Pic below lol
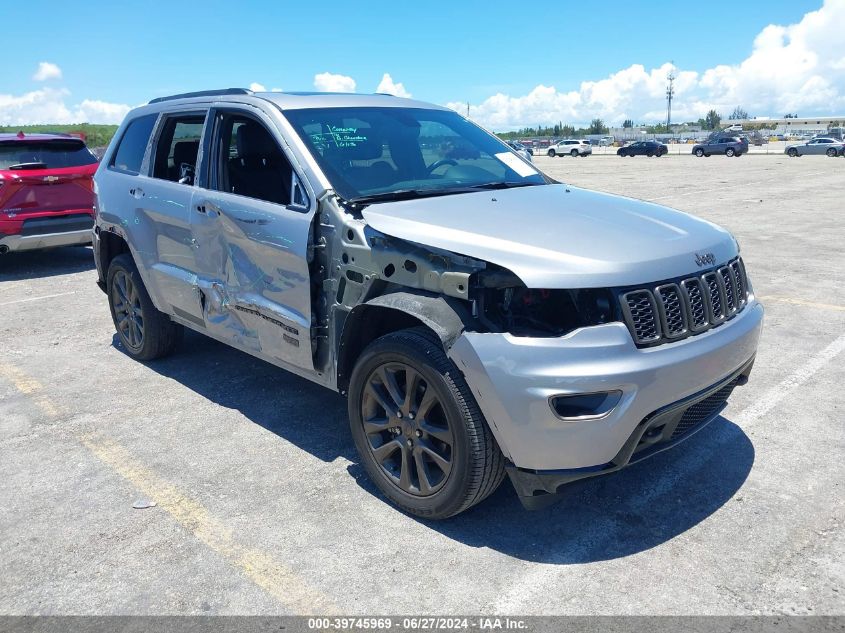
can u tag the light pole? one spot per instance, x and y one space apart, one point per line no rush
670 92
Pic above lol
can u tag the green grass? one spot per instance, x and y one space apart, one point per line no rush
96 135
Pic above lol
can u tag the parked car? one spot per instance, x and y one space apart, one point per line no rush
435 293
606 141
46 191
830 146
643 148
727 145
570 147
520 149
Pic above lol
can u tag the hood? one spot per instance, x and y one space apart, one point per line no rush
556 236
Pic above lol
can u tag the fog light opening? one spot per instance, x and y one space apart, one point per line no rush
585 406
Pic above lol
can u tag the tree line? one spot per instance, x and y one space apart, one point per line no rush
96 135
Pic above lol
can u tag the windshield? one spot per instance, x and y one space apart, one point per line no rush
45 154
381 152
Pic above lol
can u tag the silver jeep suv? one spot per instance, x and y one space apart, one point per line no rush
481 318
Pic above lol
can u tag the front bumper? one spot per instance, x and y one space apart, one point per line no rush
13 243
512 379
661 430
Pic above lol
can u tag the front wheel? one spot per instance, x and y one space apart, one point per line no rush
792 152
699 152
417 427
144 332
551 153
573 153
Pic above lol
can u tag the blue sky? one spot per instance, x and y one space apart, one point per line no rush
122 54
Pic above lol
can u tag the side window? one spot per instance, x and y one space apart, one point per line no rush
133 145
249 162
177 148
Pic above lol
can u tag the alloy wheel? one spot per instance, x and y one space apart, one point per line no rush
127 310
407 430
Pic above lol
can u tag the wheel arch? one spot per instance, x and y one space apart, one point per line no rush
390 313
108 246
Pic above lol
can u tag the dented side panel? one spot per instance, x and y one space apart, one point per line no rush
252 274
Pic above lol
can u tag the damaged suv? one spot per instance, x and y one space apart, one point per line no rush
481 318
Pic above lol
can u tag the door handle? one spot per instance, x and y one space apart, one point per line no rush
207 208
137 192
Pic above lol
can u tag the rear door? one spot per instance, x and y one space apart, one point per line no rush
251 220
163 211
820 145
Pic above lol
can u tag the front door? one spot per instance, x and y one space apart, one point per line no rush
251 220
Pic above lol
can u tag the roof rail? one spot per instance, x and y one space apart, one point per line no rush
204 93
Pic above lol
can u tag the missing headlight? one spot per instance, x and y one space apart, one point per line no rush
504 306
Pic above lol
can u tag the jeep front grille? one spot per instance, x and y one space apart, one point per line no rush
679 308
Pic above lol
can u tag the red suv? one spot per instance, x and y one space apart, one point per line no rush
46 191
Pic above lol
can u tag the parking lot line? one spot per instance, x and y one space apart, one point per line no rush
801 302
773 396
29 387
277 579
61 294
539 576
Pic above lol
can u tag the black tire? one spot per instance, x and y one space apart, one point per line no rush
699 152
574 153
730 152
792 152
132 311
476 464
649 153
831 152
551 153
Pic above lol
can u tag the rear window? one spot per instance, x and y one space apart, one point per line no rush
52 154
133 144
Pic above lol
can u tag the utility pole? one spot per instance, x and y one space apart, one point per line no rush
670 92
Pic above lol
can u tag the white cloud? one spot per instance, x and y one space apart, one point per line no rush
388 86
49 105
327 82
796 68
257 87
47 70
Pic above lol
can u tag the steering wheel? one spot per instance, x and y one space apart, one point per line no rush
440 163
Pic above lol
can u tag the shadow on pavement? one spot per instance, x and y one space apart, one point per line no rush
305 414
45 263
609 517
628 512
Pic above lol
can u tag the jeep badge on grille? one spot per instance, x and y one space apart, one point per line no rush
705 259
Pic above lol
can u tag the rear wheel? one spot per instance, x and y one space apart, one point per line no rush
730 152
144 332
831 152
573 153
649 153
418 429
